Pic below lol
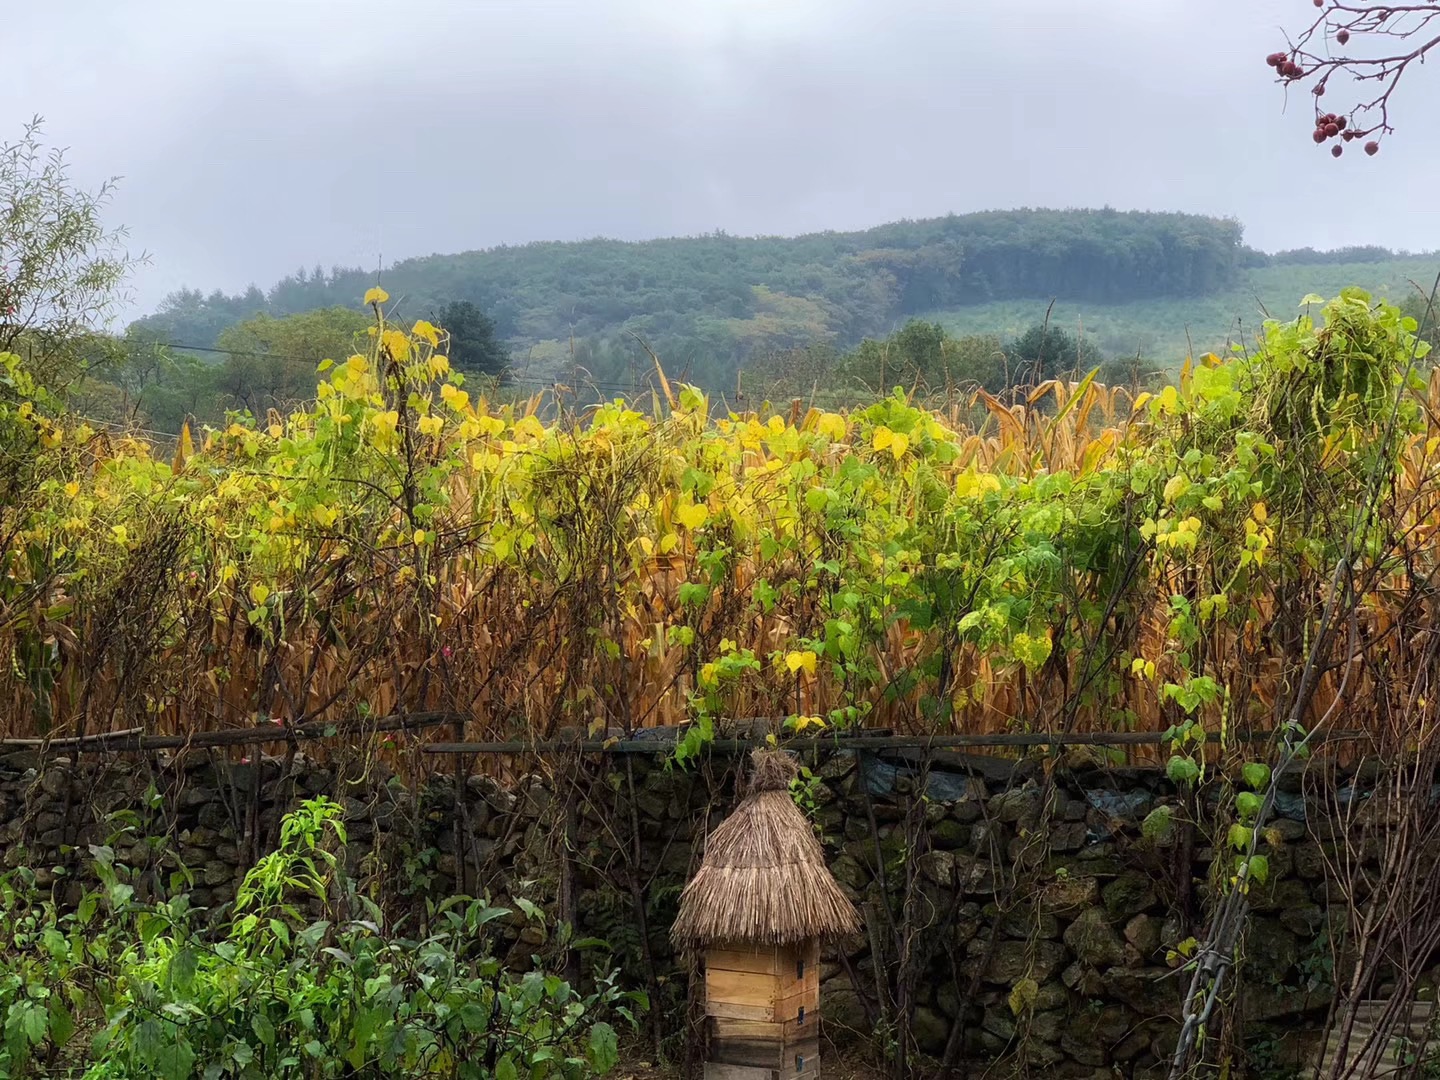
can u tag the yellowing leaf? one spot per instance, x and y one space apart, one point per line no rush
396 344
529 427
431 425
259 593
385 425
881 438
971 485
898 445
831 425
426 330
1176 486
376 295
801 661
1024 995
692 515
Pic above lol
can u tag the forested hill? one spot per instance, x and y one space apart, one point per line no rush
712 301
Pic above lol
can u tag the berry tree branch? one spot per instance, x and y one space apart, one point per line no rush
1389 38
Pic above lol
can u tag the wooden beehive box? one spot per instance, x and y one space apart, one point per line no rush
762 1005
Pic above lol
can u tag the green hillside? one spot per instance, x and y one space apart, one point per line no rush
1164 329
712 306
711 303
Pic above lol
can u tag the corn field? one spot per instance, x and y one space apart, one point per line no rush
1072 559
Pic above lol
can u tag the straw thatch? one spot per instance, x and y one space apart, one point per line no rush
764 878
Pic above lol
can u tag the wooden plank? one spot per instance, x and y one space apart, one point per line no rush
715 1070
741 987
762 1052
771 961
784 1009
754 988
794 968
808 999
782 1031
730 1010
765 1053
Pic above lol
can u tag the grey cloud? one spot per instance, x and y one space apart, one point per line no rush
257 137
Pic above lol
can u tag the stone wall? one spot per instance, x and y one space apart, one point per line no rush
1046 923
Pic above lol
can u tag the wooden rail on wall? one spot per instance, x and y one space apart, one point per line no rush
856 741
133 740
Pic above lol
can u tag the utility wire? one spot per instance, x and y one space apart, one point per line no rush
598 384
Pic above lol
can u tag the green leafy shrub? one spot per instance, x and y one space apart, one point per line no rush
303 980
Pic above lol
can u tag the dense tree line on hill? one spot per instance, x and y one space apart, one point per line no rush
712 302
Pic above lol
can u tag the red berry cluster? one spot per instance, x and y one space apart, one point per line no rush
1284 66
1332 125
1329 126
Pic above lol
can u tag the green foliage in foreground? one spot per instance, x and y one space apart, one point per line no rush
303 979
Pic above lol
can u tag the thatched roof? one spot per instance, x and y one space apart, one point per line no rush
764 878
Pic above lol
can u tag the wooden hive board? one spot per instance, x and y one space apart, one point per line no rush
719 1071
765 984
764 1044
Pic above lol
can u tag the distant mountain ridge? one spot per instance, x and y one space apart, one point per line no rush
712 302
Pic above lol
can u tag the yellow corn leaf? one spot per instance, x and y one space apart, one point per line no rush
185 449
1011 427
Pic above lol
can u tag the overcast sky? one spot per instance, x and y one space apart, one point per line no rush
254 136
